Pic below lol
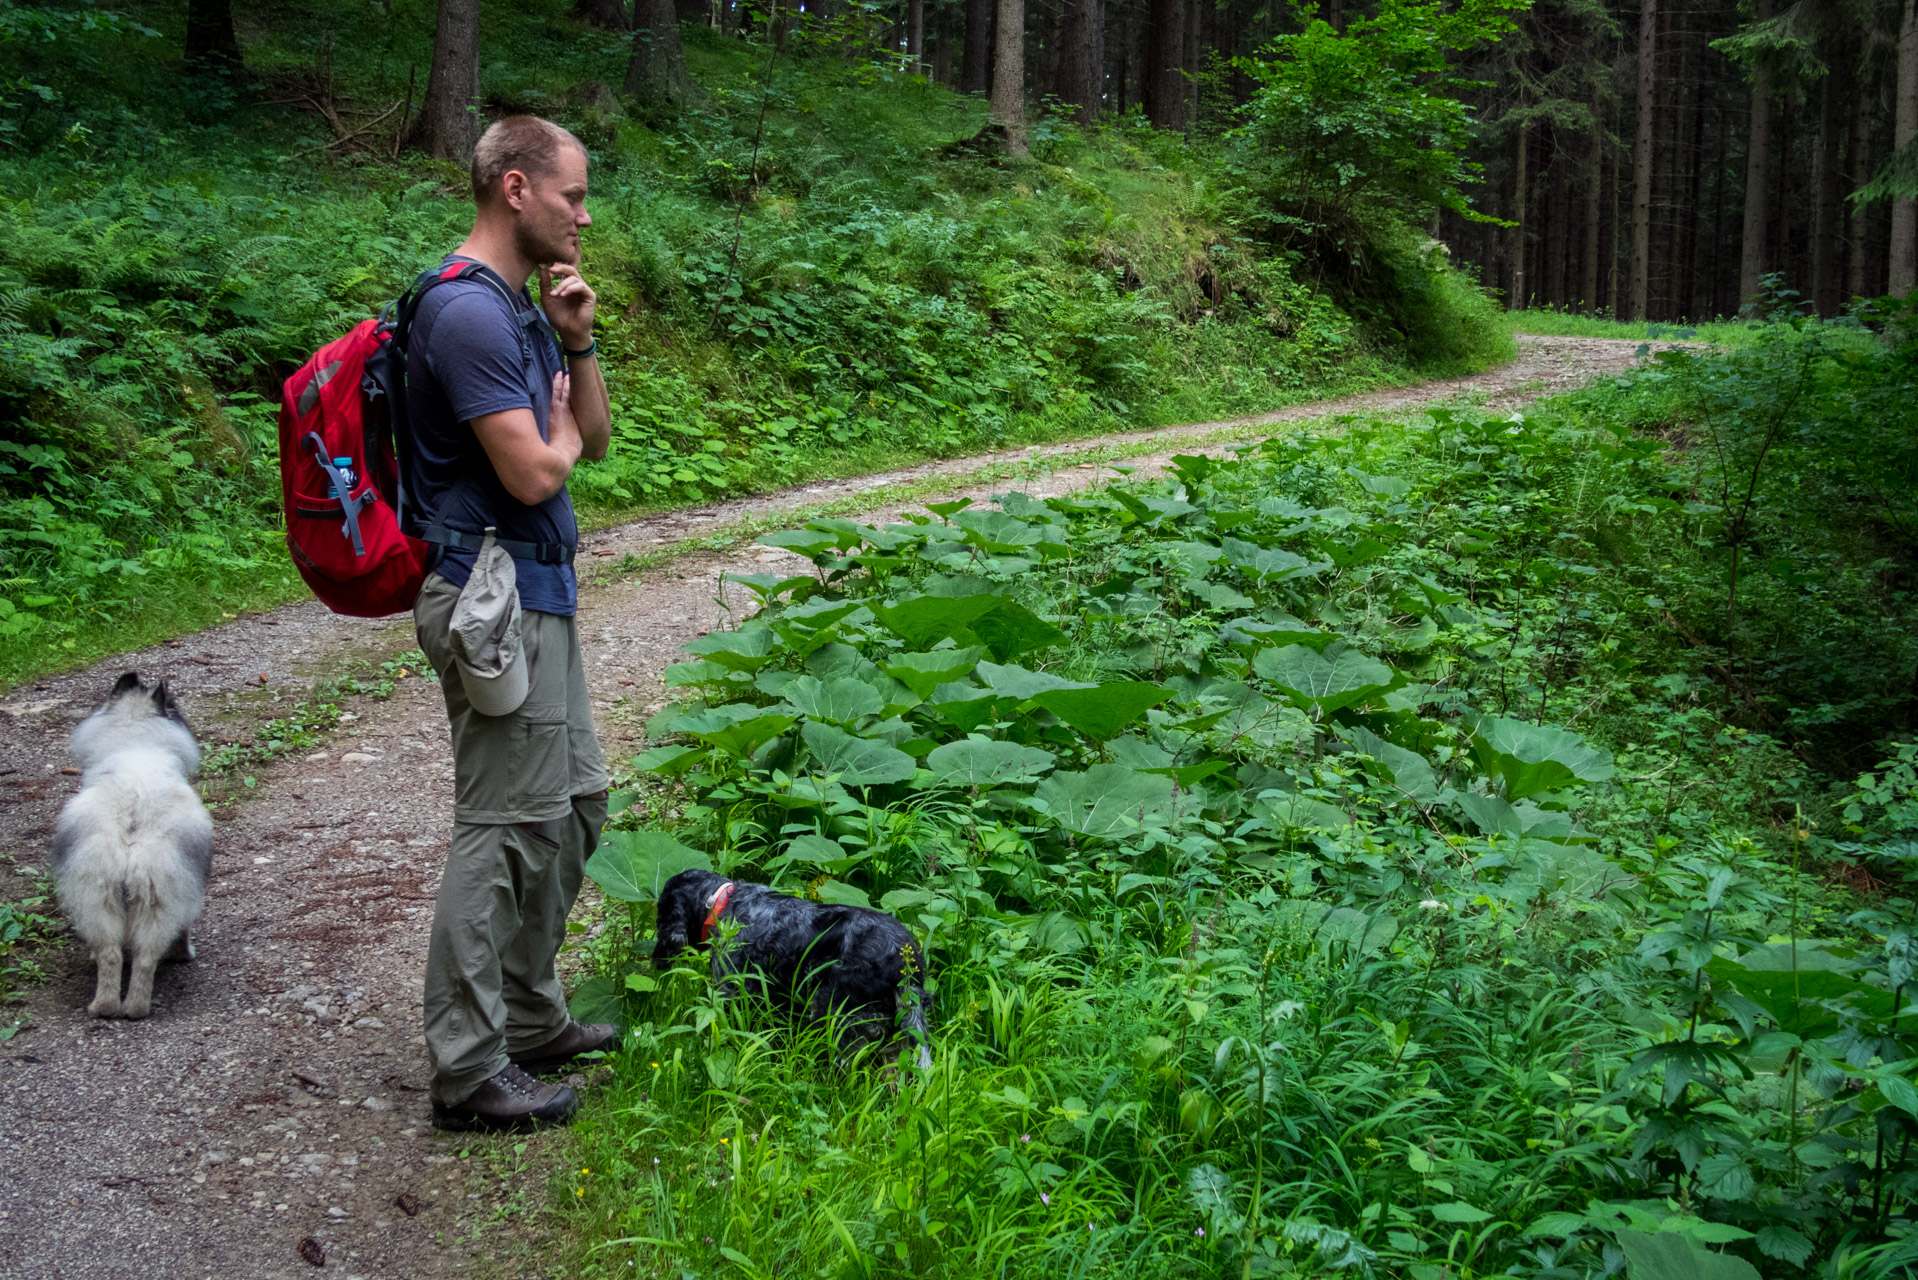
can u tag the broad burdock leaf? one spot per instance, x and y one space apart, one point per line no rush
600 999
632 866
925 620
1318 680
668 761
1102 712
978 762
747 649
841 894
736 728
841 701
1106 800
1275 633
1532 758
1008 680
806 542
858 762
1012 630
1409 771
1381 486
924 672
818 851
770 586
1265 564
996 531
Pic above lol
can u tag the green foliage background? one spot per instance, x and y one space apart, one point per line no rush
173 244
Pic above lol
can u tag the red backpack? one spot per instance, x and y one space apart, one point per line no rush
343 439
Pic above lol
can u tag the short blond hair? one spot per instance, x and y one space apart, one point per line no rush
526 143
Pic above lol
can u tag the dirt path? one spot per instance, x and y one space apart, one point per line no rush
277 1093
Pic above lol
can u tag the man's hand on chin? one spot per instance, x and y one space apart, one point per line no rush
568 302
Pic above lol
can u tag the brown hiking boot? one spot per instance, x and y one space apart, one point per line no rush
577 1038
510 1100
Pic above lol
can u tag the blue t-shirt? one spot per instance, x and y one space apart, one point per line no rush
465 359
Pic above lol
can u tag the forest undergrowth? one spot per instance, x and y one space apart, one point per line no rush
806 275
1470 846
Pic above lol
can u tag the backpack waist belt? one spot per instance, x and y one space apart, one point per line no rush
537 552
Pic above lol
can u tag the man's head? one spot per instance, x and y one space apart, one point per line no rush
533 173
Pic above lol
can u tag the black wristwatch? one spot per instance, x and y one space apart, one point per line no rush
587 354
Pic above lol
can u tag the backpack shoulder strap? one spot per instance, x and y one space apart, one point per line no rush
449 539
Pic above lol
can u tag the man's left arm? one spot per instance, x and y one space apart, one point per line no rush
568 302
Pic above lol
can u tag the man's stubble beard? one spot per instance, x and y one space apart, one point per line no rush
543 247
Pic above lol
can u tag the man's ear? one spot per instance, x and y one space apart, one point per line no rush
513 186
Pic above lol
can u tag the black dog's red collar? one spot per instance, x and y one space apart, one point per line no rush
720 900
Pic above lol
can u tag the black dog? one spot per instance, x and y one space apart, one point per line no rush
823 959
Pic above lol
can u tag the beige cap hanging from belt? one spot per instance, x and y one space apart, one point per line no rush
485 634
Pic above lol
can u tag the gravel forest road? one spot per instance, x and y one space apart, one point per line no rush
271 1116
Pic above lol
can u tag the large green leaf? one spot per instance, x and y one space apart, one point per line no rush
1409 771
977 762
1264 564
1669 1255
806 542
736 728
600 999
838 701
924 672
858 762
1318 680
996 531
747 649
818 851
1532 758
1102 712
1012 630
925 620
632 866
1105 800
1008 680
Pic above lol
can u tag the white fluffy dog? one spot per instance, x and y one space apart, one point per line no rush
133 849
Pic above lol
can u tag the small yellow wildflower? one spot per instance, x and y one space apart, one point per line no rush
579 1191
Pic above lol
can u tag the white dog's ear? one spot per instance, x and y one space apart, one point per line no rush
161 697
125 684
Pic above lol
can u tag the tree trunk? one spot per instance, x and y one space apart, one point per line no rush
1643 157
209 32
1515 296
656 74
1863 101
449 124
1753 255
1687 295
1824 188
916 35
1194 59
1080 37
975 71
1594 189
1163 75
610 14
1009 77
1904 213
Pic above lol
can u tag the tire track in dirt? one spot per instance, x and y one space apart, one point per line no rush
277 1093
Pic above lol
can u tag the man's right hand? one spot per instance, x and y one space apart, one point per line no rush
532 469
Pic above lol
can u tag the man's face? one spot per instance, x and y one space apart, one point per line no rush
552 210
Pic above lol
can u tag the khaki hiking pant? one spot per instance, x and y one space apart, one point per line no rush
529 802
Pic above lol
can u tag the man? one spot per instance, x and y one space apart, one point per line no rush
503 398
